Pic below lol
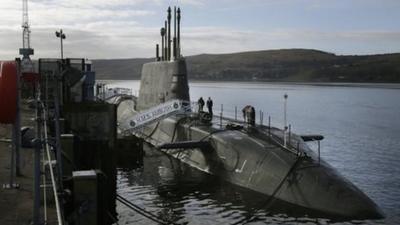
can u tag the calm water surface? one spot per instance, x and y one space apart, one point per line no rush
361 126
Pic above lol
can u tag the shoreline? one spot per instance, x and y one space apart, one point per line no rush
320 84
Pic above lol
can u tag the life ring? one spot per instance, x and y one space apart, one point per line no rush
8 92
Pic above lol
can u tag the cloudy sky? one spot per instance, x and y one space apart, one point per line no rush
130 28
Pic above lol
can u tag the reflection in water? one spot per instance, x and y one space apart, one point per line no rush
183 195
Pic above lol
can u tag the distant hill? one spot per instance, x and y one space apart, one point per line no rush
301 65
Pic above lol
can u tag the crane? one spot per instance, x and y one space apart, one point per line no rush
26 50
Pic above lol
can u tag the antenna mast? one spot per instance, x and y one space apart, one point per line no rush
26 49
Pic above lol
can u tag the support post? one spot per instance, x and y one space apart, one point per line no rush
235 113
319 152
166 42
103 91
175 43
162 32
12 166
174 50
169 33
36 175
157 53
269 125
12 184
175 21
67 143
220 116
57 132
17 124
179 32
60 34
284 119
62 49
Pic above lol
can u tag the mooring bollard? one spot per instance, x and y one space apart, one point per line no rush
67 144
86 193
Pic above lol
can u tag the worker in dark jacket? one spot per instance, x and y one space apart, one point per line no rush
210 105
200 103
249 115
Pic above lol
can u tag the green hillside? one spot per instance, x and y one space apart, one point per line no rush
299 65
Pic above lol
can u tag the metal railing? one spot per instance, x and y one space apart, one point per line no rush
49 162
42 147
230 114
104 92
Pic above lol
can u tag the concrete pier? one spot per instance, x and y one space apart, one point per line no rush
86 149
16 204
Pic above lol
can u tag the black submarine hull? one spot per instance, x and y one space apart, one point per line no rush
250 159
254 158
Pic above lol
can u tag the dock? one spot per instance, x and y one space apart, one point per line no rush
59 147
16 204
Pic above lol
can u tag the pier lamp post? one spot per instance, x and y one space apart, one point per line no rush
61 35
284 119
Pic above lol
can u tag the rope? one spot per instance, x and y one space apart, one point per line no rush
115 220
142 211
44 188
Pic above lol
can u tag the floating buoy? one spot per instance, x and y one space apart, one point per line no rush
8 92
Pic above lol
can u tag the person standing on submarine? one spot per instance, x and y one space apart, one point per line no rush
200 103
210 105
249 115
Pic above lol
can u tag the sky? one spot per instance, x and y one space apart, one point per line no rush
105 29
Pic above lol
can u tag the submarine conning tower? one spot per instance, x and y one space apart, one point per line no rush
162 81
165 79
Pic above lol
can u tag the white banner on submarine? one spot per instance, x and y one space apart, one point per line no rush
156 114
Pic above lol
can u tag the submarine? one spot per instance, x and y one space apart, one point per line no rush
262 158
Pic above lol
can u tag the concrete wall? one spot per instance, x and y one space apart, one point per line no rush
163 81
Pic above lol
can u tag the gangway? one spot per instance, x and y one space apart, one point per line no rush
153 115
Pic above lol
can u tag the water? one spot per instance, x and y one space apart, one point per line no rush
361 126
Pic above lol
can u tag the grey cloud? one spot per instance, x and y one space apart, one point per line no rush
137 41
